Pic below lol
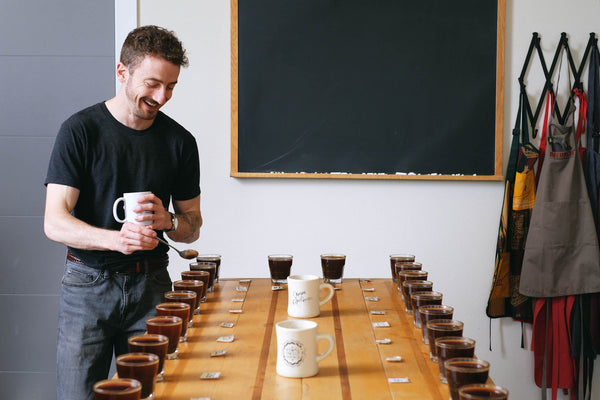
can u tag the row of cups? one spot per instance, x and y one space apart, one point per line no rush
332 265
465 374
139 369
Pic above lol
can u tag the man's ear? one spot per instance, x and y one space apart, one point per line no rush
122 72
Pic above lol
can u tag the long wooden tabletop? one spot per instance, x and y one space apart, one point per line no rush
357 368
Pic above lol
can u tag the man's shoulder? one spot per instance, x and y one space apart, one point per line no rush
168 124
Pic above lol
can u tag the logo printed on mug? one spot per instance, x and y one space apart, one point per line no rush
293 353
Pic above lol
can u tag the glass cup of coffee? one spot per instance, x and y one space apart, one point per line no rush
448 347
209 267
440 328
399 258
151 343
195 286
212 258
140 366
409 275
181 310
411 287
280 266
168 326
183 296
118 389
333 267
426 298
203 276
465 371
431 312
481 391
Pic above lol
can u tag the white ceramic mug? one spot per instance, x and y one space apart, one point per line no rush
297 355
130 200
304 295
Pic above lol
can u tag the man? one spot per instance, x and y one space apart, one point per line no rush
115 274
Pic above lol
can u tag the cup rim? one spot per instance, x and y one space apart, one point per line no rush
305 277
208 255
196 272
173 319
442 343
193 282
157 336
435 307
151 358
180 304
278 256
448 364
208 264
134 386
502 389
301 324
454 323
190 292
406 256
333 255
412 271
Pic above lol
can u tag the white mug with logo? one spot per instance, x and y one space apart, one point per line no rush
304 295
130 200
297 355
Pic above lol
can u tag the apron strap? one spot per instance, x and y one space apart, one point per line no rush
543 139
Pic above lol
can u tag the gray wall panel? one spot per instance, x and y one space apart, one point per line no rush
23 165
31 334
27 385
32 263
57 57
46 90
64 27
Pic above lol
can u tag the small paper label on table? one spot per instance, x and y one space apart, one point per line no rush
383 341
383 324
238 300
372 298
378 312
235 311
398 380
368 289
219 353
242 288
245 280
226 339
227 324
210 375
394 359
276 288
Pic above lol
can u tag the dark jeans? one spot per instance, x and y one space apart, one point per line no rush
99 310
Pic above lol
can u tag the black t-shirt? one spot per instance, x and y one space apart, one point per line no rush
103 158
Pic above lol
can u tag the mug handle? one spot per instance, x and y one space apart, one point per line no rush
329 296
115 204
328 337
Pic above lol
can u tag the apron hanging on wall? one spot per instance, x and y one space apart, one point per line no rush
561 257
519 196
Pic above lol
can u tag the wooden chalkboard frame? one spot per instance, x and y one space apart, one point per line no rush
498 139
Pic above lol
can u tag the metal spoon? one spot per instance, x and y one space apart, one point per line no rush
187 254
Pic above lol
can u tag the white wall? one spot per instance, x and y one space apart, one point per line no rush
450 226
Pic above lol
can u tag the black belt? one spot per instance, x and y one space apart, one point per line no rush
142 266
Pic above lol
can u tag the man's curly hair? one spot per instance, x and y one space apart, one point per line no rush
155 41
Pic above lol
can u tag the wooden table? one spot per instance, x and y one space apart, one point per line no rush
356 369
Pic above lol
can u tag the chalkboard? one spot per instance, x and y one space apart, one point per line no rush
390 89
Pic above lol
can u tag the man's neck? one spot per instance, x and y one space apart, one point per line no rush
120 111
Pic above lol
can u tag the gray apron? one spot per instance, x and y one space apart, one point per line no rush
562 256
